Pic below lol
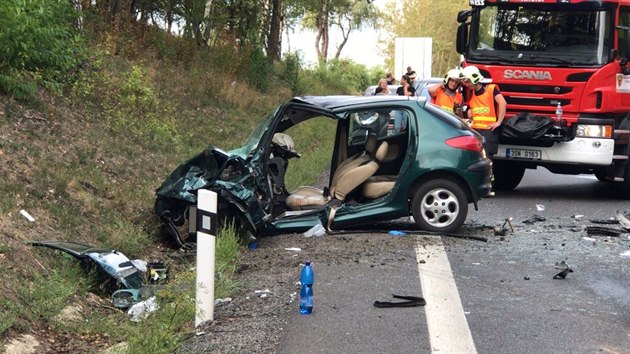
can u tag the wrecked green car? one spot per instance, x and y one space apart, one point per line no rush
391 157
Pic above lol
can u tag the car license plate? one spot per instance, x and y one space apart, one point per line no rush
523 154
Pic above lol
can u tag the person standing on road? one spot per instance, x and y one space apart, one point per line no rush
486 109
447 94
405 89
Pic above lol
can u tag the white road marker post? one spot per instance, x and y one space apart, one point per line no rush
206 221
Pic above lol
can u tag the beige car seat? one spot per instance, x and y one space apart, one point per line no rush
378 186
351 173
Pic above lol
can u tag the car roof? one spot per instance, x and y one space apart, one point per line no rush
334 102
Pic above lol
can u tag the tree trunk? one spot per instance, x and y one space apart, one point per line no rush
78 6
273 41
321 23
208 25
169 16
346 35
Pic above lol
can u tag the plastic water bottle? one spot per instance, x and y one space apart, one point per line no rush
559 114
307 279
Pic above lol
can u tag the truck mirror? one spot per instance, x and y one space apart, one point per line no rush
462 38
463 15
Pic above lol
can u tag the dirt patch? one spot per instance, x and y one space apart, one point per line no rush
23 345
254 324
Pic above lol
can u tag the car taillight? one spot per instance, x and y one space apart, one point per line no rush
465 142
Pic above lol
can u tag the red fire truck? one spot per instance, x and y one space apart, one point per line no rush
545 54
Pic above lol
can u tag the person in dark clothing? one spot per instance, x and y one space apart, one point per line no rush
390 79
486 109
406 89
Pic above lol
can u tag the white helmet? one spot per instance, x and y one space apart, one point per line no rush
471 73
451 74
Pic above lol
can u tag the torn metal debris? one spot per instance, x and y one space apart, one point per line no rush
534 218
565 270
411 301
134 279
503 230
623 220
603 231
563 274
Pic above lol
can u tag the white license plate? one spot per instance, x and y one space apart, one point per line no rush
523 154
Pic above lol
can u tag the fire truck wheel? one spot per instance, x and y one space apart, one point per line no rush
601 174
625 185
506 176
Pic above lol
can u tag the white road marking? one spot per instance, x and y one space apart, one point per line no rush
448 327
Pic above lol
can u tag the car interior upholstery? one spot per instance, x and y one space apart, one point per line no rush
349 175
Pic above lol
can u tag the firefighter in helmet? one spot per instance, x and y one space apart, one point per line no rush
447 94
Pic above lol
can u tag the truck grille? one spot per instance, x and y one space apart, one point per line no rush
540 102
539 89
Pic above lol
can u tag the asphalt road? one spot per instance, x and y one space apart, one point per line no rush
494 297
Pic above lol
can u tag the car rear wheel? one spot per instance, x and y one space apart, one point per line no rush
506 176
439 205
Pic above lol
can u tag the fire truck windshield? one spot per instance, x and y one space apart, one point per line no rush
540 36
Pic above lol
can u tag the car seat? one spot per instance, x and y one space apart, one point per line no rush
350 174
377 186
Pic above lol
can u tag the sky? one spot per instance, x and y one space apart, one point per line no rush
362 46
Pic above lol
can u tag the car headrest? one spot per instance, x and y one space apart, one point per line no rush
381 152
370 144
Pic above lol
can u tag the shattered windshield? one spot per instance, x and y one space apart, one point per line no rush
540 36
254 137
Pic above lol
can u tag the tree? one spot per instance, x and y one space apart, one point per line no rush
347 15
354 16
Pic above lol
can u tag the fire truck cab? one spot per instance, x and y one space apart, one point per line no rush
549 53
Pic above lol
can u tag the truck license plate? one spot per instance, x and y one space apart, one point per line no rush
523 154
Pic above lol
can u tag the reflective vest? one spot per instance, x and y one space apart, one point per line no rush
482 108
445 101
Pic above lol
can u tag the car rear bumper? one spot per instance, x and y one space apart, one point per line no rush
481 173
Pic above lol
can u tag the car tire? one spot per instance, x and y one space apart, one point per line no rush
439 205
506 176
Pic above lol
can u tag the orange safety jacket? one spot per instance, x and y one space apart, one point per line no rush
445 101
482 108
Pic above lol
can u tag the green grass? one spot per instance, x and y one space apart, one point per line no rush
314 140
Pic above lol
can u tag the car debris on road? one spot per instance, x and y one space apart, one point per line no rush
565 270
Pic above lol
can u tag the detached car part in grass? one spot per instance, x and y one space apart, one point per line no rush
392 157
129 275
